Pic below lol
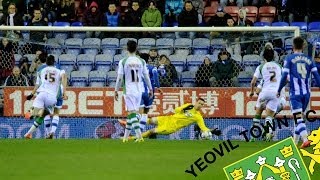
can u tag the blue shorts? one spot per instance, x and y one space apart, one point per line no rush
299 103
146 102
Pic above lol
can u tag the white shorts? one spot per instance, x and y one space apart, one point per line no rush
132 101
45 100
268 99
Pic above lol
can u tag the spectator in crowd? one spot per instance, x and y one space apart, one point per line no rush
92 17
6 59
198 5
204 73
167 79
242 18
225 71
172 10
77 11
50 9
220 19
12 18
187 18
37 36
111 19
238 3
153 57
269 45
269 3
65 10
151 17
36 62
252 2
24 69
16 78
297 10
133 15
232 39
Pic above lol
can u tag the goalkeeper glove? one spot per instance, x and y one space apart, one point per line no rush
216 132
29 97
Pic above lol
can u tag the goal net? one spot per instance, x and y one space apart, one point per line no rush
215 64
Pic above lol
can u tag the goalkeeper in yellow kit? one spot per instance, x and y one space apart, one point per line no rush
183 116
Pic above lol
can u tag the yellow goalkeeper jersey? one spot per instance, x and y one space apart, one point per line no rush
186 115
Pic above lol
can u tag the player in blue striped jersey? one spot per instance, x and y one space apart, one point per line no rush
146 101
299 67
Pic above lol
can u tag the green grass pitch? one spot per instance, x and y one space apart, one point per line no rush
113 160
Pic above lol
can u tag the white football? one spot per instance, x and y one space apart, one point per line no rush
206 135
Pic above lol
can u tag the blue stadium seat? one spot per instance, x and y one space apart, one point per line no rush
73 45
217 44
165 46
67 62
314 27
178 61
97 78
85 62
182 46
104 62
288 45
17 58
79 78
31 57
116 60
110 46
194 61
250 62
302 25
201 46
61 34
144 44
280 24
91 46
55 46
79 34
112 78
244 78
262 24
188 78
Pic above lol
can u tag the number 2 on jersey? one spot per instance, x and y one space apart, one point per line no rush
301 68
134 75
273 76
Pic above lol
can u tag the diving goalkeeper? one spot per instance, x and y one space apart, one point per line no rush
183 116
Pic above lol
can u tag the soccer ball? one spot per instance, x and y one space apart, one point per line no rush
206 135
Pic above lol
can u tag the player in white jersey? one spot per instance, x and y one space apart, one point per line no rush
132 70
269 72
48 87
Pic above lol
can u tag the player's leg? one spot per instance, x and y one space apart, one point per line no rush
47 124
257 117
55 118
300 130
304 134
271 108
144 109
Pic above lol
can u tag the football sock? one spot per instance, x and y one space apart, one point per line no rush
55 122
301 129
135 124
269 123
35 125
143 121
47 123
256 121
127 131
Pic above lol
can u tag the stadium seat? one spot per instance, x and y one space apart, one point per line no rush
79 34
123 44
209 12
217 44
17 58
244 78
182 46
251 61
144 44
267 13
61 34
252 13
110 46
260 24
165 46
104 62
97 78
178 61
112 78
116 60
188 78
91 46
31 57
73 45
314 27
233 11
79 78
201 46
194 61
280 24
55 46
67 62
302 25
85 62
288 44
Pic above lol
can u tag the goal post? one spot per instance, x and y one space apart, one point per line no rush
91 111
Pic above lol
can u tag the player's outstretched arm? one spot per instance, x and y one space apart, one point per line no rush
116 89
253 84
64 80
202 125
